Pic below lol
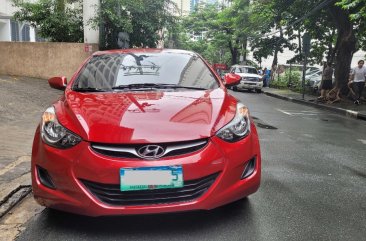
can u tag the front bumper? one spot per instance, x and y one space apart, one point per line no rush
250 85
67 168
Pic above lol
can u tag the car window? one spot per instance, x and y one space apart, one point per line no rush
111 70
248 70
252 71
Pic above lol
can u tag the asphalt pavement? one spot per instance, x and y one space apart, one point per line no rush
313 176
22 101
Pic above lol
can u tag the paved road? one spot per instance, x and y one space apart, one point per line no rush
313 188
22 100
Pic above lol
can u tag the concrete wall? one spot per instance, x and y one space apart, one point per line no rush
42 60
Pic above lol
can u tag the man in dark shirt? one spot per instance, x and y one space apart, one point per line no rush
326 84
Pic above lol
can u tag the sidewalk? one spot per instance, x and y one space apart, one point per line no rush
345 107
22 102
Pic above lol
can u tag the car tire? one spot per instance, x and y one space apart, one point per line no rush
258 91
235 88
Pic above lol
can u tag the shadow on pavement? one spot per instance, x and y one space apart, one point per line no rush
197 225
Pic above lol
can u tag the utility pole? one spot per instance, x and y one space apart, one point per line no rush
306 49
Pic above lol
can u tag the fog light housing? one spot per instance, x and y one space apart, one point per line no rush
249 168
45 178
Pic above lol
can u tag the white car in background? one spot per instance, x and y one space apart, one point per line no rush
250 79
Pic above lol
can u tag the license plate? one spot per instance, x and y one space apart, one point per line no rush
145 178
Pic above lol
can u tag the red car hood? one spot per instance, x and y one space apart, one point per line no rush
145 117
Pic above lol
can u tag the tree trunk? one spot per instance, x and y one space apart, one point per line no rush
234 53
346 46
244 48
331 50
300 43
275 57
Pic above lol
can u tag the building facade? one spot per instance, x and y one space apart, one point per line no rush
11 30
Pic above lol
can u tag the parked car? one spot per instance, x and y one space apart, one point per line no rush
141 131
250 79
314 80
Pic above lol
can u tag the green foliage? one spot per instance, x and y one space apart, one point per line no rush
358 8
270 19
286 80
333 35
142 19
357 13
226 30
53 20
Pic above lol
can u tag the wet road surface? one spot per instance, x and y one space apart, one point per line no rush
313 188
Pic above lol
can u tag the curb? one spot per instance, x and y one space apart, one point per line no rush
348 113
13 198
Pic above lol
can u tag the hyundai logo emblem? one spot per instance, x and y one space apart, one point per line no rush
151 151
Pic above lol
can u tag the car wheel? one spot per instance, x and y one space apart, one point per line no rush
258 91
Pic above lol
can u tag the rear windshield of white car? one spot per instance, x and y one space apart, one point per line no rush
245 70
111 70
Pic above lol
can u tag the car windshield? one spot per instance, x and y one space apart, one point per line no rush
145 70
246 70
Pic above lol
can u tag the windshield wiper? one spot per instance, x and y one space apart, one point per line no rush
156 86
136 86
88 89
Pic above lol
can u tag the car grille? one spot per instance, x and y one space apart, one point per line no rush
112 195
253 79
132 151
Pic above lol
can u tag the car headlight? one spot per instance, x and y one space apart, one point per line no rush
54 134
237 128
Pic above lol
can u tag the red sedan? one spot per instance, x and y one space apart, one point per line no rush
144 131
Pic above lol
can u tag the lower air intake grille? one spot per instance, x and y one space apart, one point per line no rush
112 195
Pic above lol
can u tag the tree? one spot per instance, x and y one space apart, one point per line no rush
331 30
225 28
142 19
54 20
346 45
357 10
350 18
337 30
270 19
200 33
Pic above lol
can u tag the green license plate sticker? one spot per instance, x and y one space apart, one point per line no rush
146 178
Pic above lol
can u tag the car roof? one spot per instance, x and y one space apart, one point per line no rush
246 66
144 50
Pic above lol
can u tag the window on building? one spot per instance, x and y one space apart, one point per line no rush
26 33
14 31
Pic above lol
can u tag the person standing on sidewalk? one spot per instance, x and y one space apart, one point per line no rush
326 84
358 76
264 77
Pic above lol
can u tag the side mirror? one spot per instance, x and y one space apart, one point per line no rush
231 79
58 82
